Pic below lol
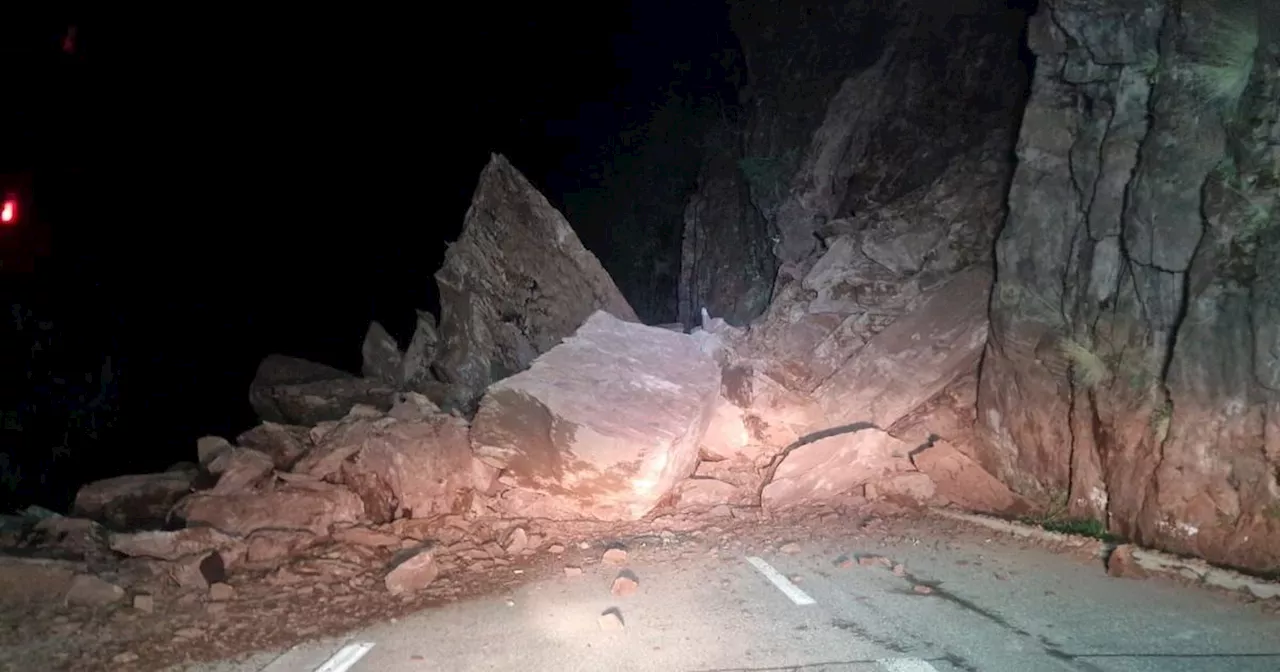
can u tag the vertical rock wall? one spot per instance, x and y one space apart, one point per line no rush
1133 368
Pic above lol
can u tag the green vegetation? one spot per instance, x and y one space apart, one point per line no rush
1084 527
1055 519
1088 368
1224 39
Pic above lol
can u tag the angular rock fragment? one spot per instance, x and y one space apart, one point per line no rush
514 284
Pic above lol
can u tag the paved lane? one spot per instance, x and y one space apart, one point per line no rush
992 607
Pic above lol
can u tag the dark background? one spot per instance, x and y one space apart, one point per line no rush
223 185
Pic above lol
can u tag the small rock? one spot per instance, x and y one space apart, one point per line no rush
221 592
188 633
144 603
921 589
90 591
899 570
413 574
790 548
843 562
573 571
518 541
126 657
1121 564
611 619
625 585
584 545
556 549
873 560
615 556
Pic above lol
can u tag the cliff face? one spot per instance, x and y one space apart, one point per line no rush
847 107
1132 372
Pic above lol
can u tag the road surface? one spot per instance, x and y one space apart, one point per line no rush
730 605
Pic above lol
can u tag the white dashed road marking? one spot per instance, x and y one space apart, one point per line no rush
906 665
784 584
346 657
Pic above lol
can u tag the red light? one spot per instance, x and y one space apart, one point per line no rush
9 212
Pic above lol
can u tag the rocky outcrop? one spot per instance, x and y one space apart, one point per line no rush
602 426
850 106
733 282
1131 369
514 284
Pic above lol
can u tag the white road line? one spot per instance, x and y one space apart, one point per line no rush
906 665
346 657
784 584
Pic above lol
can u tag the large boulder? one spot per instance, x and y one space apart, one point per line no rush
315 509
602 426
294 391
912 360
514 284
133 501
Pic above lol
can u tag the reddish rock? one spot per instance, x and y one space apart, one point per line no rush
773 416
134 501
705 493
603 425
833 466
625 584
221 592
910 488
171 544
412 574
363 536
284 443
962 481
268 548
614 556
1121 563
311 510
416 467
913 359
239 469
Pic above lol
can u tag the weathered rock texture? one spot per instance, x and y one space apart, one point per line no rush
850 106
514 284
1134 361
602 426
295 391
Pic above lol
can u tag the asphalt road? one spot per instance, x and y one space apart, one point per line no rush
994 606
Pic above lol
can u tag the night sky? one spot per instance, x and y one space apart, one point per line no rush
223 186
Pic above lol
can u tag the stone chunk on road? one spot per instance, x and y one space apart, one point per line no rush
625 584
611 619
603 425
413 574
